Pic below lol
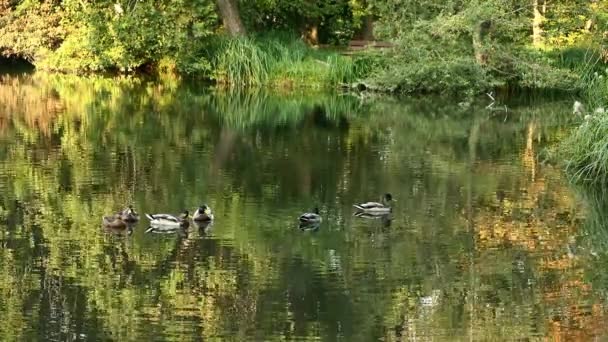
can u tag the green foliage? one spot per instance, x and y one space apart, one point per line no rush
451 76
31 30
112 36
336 21
534 69
470 45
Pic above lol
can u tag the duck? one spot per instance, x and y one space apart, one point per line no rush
114 222
376 207
310 218
128 215
202 214
169 221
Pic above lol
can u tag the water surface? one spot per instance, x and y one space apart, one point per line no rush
484 242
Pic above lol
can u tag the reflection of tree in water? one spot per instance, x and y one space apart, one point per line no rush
472 229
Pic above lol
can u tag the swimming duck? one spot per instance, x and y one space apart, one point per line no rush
167 220
203 213
128 215
114 222
309 218
375 207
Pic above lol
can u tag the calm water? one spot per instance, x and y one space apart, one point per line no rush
487 241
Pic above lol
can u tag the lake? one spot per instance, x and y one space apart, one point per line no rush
486 241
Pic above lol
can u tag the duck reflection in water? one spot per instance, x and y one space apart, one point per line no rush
127 231
182 232
311 227
204 227
386 219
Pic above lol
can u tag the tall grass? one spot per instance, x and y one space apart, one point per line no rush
280 60
585 152
241 61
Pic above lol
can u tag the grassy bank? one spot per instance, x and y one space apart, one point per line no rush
281 61
585 151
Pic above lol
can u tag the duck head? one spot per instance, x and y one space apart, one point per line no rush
387 198
184 215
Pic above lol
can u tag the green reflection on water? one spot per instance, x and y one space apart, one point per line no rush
475 249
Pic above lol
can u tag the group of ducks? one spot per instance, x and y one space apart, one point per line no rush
203 215
128 216
380 209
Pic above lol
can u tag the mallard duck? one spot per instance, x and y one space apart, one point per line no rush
203 213
375 207
167 220
310 218
128 215
114 222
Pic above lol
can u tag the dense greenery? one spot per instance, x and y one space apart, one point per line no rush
467 45
476 45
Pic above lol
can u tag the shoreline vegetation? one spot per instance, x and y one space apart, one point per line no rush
466 47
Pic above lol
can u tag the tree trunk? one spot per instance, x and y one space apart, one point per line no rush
368 27
231 18
479 35
537 22
310 34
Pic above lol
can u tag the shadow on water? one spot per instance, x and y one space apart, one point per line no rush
473 250
15 66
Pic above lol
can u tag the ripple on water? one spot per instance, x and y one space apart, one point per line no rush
475 249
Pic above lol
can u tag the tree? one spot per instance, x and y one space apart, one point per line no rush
539 16
231 18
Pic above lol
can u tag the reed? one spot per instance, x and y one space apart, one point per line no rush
280 60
